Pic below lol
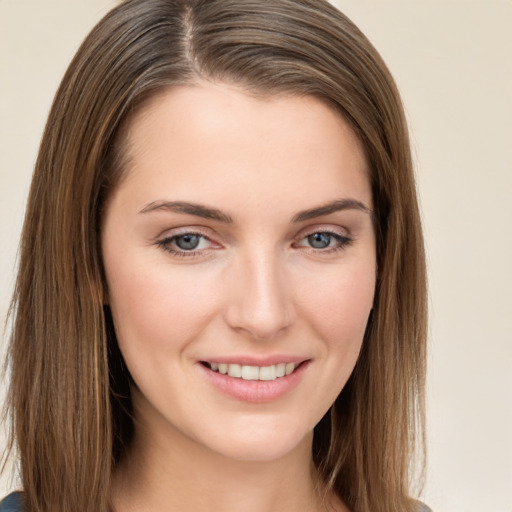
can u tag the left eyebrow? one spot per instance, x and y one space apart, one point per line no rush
332 207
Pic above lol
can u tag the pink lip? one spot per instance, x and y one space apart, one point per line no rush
255 391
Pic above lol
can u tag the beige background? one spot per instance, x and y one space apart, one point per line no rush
453 63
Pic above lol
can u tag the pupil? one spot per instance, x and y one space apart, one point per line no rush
187 242
319 240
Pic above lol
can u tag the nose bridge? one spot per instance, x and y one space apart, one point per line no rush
261 304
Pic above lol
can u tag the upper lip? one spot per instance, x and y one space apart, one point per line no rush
256 361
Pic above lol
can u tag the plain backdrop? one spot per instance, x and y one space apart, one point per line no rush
453 64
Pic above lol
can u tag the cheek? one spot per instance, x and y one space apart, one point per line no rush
339 316
339 305
156 305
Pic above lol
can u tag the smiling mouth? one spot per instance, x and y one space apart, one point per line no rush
247 372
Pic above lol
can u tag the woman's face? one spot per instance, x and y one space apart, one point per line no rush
240 241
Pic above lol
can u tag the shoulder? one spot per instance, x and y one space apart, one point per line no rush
422 508
12 503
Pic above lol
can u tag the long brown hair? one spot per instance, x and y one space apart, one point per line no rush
69 393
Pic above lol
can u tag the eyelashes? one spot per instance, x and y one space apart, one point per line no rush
191 244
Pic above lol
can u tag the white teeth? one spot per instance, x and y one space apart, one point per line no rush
234 370
250 372
268 373
289 368
247 372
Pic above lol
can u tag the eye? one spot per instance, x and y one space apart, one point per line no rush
325 241
185 244
319 240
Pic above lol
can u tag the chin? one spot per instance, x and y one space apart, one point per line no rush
257 442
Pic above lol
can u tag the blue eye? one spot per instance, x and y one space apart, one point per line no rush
187 242
319 240
185 245
325 242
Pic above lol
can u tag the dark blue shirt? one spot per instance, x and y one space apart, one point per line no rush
12 503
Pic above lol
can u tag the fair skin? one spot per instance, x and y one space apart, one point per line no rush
220 257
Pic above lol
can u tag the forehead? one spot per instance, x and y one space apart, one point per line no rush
216 140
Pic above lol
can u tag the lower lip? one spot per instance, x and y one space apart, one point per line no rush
255 391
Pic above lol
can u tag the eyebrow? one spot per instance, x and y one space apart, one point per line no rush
206 212
332 207
187 208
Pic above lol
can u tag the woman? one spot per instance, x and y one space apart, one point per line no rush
221 294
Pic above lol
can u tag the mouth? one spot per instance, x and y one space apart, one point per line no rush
255 383
255 373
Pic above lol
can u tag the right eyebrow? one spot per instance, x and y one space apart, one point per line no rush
188 208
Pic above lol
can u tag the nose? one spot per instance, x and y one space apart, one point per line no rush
260 300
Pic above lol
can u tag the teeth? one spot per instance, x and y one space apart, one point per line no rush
289 368
247 372
250 372
234 370
268 373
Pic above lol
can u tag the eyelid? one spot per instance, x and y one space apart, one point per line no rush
324 228
184 230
